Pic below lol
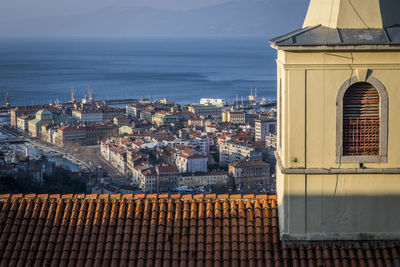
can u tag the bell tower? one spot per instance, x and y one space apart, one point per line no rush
338 153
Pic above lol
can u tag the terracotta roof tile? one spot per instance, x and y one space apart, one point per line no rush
157 230
91 196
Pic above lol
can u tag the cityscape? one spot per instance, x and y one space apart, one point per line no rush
150 146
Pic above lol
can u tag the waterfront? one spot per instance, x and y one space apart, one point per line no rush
184 70
36 152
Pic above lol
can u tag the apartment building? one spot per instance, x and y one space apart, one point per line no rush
88 115
110 113
20 111
134 110
263 128
207 110
231 151
234 117
22 122
96 132
70 135
118 158
163 118
249 174
190 160
168 176
203 179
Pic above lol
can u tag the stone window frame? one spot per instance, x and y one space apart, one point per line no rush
383 116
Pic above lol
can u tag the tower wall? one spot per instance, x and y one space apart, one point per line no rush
320 197
355 14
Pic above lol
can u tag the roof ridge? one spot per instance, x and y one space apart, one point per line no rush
139 196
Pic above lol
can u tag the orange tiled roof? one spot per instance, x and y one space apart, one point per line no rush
240 164
167 168
164 230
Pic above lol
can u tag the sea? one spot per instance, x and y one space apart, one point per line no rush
42 71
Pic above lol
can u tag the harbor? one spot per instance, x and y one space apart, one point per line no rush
31 149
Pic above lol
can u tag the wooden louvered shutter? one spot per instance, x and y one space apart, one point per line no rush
361 122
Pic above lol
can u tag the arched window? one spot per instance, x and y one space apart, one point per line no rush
361 120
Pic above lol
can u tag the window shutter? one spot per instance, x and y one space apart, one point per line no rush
361 122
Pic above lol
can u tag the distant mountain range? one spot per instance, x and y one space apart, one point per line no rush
239 18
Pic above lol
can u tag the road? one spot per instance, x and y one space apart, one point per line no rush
92 153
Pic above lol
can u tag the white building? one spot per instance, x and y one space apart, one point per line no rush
148 181
190 160
230 151
207 110
271 141
203 179
263 128
212 101
118 158
137 171
88 115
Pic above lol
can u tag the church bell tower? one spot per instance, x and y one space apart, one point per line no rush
338 94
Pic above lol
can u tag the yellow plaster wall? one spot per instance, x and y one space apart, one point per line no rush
354 14
307 78
339 206
334 206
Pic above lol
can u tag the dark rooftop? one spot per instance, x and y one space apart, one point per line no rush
324 36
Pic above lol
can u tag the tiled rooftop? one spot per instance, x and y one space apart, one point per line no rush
164 230
241 164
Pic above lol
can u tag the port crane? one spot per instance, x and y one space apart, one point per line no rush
73 98
6 99
91 94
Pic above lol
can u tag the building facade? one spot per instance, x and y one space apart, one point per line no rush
263 128
235 117
70 135
93 115
168 176
20 111
230 151
203 179
190 160
250 174
22 122
163 118
134 110
207 110
41 117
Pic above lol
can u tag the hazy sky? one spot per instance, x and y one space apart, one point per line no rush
119 18
24 9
